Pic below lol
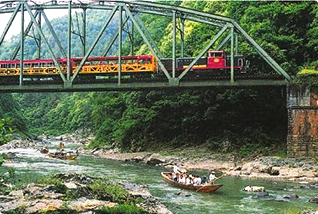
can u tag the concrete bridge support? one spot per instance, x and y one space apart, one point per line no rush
302 106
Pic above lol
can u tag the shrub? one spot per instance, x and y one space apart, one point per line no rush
122 209
108 191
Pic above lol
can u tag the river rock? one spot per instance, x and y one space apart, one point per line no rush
44 205
314 200
274 171
154 159
265 168
137 159
6 198
183 193
17 194
254 189
84 204
262 195
70 185
292 196
308 212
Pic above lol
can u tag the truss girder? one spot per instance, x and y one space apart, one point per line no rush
131 8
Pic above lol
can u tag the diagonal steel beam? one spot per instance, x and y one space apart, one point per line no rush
225 40
6 29
112 41
38 28
132 18
149 36
262 52
56 39
232 54
27 30
203 51
95 42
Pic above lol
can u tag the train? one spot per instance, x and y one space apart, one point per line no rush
141 64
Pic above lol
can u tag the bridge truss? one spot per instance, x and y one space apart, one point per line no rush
128 12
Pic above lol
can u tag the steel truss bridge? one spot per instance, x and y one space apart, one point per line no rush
128 11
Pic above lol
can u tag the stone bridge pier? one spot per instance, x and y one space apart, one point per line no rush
302 106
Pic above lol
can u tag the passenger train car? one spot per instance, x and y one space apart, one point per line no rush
97 66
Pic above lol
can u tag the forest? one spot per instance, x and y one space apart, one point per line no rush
228 120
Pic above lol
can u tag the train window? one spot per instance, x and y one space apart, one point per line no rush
215 54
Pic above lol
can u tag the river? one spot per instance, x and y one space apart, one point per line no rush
31 165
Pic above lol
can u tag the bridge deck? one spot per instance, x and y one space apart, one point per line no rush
129 86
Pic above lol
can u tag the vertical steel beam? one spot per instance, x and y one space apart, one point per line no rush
6 29
95 42
84 31
236 44
27 30
147 34
39 36
120 40
45 41
232 54
56 39
174 44
182 37
147 42
112 41
203 51
132 43
69 41
22 44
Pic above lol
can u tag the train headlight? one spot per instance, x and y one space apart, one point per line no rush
216 60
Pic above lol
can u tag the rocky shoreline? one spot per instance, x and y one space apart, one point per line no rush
302 170
272 168
266 167
78 193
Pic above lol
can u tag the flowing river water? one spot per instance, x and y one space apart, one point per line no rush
31 165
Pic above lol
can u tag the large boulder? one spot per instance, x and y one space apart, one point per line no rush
314 200
274 171
254 189
154 159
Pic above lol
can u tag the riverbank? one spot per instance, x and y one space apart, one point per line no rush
272 168
79 193
262 167
229 198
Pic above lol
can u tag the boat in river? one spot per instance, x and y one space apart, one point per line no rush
206 188
63 155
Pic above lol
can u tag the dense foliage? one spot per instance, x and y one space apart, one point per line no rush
241 119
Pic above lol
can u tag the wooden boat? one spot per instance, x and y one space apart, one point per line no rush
63 156
206 188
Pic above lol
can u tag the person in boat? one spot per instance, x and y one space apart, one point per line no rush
188 180
182 179
198 180
175 177
176 169
203 181
195 179
212 177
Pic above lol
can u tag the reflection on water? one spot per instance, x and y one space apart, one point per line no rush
228 200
